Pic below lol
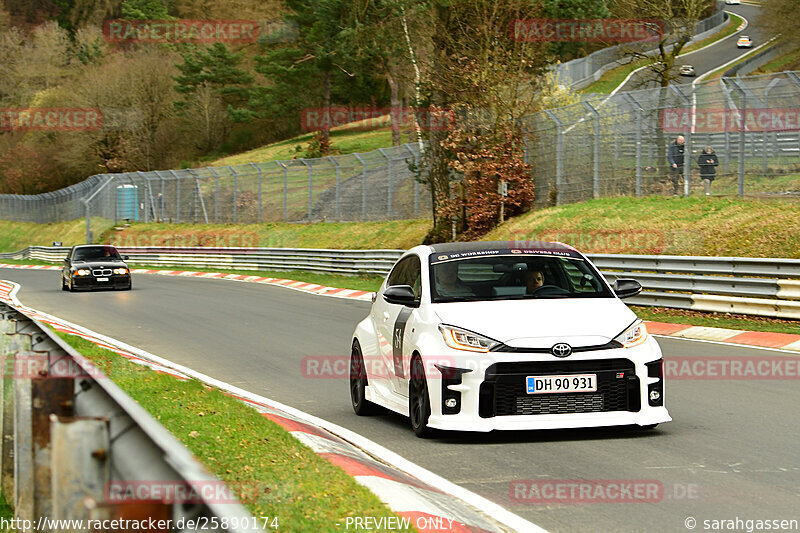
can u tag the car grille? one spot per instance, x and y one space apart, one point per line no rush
97 272
503 392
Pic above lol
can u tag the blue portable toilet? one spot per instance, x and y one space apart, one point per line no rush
127 202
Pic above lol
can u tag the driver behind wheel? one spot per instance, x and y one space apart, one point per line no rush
533 280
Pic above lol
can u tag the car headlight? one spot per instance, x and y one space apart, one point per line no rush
120 271
82 272
634 335
462 339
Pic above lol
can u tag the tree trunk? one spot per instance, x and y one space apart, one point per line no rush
397 110
326 110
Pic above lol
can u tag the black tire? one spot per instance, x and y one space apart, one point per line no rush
648 427
358 382
419 402
64 284
71 288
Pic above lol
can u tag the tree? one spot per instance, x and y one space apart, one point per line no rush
476 71
210 81
145 10
678 18
573 10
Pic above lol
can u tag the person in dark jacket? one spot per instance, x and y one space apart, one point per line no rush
675 159
707 161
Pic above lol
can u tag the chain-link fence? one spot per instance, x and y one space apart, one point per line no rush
377 185
607 146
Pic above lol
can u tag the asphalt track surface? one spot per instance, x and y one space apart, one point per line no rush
712 57
731 450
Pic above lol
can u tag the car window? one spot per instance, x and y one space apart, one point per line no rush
95 252
515 277
407 272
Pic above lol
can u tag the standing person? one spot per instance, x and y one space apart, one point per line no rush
707 161
675 159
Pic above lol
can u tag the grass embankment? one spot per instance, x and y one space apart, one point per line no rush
15 236
360 136
787 61
271 472
612 78
6 511
672 226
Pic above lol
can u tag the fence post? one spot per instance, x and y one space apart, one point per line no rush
596 151
559 157
796 80
258 170
235 192
285 190
726 99
389 182
639 113
363 187
310 186
216 193
338 177
177 196
416 183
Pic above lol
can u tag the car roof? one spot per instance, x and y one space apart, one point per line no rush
472 250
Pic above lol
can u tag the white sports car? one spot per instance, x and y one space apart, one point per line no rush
486 336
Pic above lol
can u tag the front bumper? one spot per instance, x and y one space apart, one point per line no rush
492 396
115 281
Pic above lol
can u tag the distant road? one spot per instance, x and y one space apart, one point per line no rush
716 55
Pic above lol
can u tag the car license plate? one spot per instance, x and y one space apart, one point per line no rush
559 384
102 279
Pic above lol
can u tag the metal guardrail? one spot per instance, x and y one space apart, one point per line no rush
757 286
70 435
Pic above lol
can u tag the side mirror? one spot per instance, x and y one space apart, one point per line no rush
400 295
626 287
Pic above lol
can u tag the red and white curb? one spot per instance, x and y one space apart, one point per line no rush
425 500
302 286
761 339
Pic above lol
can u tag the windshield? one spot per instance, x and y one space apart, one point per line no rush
93 253
507 277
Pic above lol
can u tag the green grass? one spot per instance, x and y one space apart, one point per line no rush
6 511
717 320
272 472
362 136
398 234
675 226
612 78
18 235
787 61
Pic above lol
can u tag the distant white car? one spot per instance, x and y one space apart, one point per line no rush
732 2
744 42
687 70
486 336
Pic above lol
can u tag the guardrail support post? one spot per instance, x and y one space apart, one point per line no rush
50 396
80 464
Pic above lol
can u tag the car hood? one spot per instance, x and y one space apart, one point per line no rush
541 323
97 263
